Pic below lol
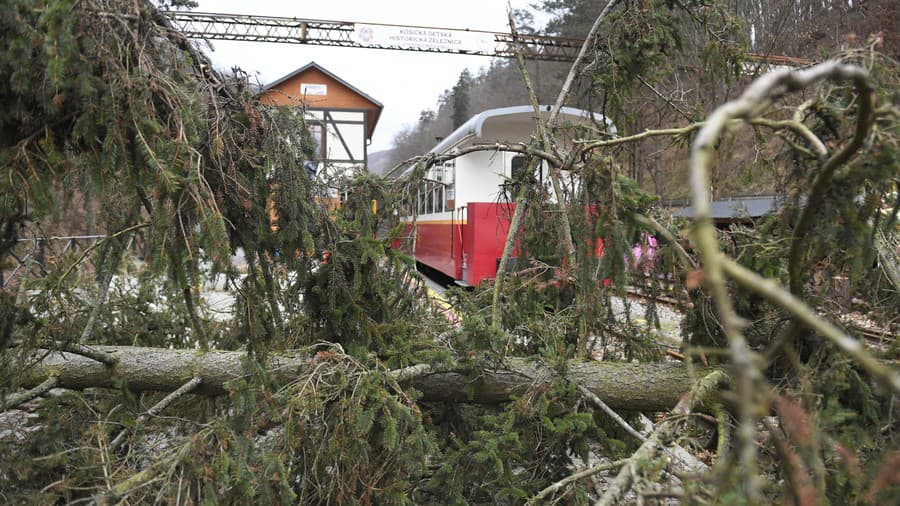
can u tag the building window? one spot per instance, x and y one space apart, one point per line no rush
312 168
317 132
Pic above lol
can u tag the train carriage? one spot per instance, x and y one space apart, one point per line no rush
462 217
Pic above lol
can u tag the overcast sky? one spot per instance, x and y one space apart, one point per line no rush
405 82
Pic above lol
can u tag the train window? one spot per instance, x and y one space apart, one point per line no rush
517 168
450 202
519 165
517 174
429 199
439 198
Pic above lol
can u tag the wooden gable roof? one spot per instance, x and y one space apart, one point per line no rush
340 94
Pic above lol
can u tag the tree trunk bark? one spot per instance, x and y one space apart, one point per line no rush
626 386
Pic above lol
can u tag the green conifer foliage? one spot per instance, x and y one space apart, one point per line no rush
106 102
105 110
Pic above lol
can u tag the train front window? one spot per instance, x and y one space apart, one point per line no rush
517 168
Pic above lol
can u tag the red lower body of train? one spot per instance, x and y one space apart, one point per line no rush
468 247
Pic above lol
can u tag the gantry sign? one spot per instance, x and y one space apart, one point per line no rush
253 28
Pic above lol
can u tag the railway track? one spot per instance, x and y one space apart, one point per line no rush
639 294
879 339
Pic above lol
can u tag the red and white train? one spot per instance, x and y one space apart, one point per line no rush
463 218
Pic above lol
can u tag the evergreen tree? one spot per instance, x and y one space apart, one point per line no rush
459 99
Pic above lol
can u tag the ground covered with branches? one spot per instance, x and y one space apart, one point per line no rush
335 381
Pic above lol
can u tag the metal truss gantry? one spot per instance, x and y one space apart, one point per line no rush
251 28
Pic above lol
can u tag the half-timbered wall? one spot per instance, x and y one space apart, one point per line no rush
341 134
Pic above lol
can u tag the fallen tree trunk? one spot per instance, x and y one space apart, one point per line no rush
647 387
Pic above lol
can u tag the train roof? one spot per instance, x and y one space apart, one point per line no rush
474 127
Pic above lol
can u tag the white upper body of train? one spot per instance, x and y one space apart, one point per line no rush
479 176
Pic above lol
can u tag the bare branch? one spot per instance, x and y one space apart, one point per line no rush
669 237
521 202
157 409
514 225
750 104
584 473
612 414
665 431
409 373
23 397
769 290
87 351
579 61
865 116
818 147
590 145
432 159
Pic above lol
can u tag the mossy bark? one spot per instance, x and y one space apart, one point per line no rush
628 386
